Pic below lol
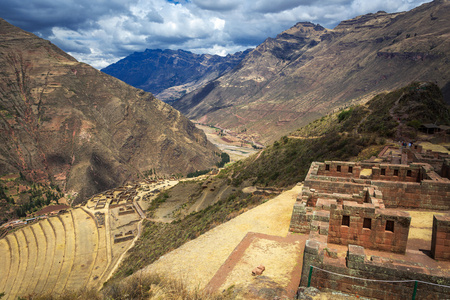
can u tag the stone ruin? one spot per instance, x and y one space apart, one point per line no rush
440 239
360 205
122 237
357 203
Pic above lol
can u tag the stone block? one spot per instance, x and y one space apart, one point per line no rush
314 226
323 228
355 257
312 247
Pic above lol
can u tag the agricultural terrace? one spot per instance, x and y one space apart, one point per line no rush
76 249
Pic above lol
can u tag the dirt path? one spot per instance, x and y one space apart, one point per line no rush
197 261
304 137
122 256
400 126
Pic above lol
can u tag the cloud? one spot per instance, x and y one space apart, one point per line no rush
101 32
270 6
217 5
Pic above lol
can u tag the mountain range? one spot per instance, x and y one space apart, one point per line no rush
308 71
64 122
170 74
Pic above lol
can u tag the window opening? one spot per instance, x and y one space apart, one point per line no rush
367 223
390 225
346 220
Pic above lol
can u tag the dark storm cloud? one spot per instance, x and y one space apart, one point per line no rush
100 32
42 15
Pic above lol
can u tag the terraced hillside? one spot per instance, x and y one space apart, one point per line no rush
77 249
61 253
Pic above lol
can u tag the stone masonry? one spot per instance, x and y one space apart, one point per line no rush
381 229
360 205
440 239
357 264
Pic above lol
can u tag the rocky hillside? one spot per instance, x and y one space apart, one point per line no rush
355 133
308 71
170 74
65 122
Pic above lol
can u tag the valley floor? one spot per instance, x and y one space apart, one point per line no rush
234 146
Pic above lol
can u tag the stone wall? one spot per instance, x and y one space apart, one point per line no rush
432 192
445 172
300 219
357 265
391 172
428 194
336 186
440 239
379 229
339 169
435 159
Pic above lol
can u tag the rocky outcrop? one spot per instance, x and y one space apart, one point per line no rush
65 122
170 74
308 71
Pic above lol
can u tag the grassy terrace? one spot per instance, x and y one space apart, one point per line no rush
54 255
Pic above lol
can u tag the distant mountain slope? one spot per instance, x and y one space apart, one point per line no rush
308 70
355 133
65 122
169 74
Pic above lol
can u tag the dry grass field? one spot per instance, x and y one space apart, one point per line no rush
196 262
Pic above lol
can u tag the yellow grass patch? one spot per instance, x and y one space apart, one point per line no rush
435 147
197 261
278 259
422 224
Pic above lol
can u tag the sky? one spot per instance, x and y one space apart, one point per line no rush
100 32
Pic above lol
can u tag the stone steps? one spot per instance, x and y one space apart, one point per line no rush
41 252
69 253
22 263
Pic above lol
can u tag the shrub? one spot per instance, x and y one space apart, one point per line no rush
345 114
198 173
225 159
414 123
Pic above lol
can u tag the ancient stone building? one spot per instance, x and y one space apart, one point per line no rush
362 206
440 241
